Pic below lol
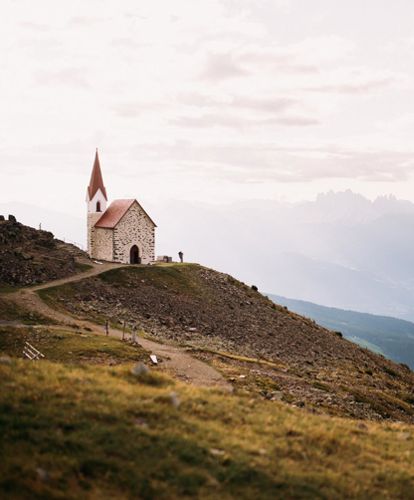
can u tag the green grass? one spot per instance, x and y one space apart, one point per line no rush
5 288
82 425
237 357
81 267
99 432
69 347
178 277
10 311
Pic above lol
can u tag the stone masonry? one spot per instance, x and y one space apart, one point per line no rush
103 243
135 228
115 233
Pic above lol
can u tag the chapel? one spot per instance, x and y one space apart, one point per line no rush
122 232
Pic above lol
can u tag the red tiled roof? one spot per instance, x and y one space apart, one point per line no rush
96 181
114 213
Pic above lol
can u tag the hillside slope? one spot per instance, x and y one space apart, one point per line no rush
212 312
392 337
78 428
29 256
88 422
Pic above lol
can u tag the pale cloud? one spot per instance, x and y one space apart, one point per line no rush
353 88
73 77
86 21
240 122
137 108
268 105
222 66
35 26
240 112
196 92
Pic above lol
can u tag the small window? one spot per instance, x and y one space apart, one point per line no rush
98 206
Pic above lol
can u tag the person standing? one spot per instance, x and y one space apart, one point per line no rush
181 255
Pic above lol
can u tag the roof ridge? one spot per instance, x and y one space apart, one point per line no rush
116 210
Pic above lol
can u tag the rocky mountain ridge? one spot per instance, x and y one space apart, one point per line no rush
29 256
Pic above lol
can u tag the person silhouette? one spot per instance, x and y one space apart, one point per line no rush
181 255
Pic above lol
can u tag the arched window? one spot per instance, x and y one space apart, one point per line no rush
98 206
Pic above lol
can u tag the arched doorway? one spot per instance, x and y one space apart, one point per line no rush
134 257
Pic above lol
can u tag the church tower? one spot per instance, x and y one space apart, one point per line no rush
123 232
96 199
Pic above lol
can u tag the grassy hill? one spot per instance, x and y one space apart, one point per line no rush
392 337
231 325
79 427
90 422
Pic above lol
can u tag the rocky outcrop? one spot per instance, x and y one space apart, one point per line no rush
29 256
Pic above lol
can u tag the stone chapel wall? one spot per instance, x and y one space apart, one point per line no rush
92 220
102 243
135 228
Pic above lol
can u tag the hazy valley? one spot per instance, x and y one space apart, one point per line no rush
392 337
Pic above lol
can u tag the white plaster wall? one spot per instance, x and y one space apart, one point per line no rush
93 217
135 228
98 196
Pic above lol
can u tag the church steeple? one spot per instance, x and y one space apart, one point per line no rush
96 199
96 182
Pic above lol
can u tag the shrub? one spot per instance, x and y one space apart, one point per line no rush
390 371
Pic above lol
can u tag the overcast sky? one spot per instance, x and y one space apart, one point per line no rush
209 100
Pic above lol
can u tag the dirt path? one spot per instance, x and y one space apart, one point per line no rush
96 269
175 360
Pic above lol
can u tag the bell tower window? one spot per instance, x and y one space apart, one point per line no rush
98 206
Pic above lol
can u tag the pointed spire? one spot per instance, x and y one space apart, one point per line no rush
96 181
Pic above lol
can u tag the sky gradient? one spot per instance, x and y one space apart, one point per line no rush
214 101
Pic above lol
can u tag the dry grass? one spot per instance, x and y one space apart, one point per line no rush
94 432
10 311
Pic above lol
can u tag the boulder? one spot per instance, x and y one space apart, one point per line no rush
139 370
174 400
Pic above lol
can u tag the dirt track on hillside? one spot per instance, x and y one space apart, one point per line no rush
175 360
